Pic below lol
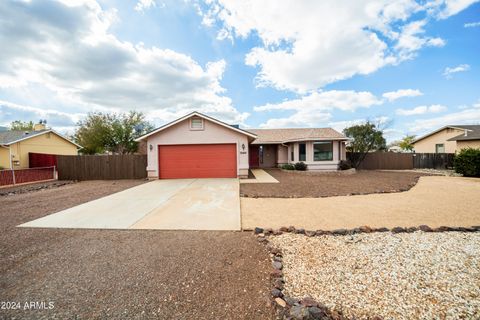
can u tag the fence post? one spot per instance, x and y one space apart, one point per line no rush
13 176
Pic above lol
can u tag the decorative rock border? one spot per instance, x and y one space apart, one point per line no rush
307 308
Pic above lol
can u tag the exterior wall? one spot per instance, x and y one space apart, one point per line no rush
5 158
427 145
282 154
48 143
468 144
212 133
338 154
269 156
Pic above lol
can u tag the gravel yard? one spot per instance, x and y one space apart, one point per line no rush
395 276
125 274
328 184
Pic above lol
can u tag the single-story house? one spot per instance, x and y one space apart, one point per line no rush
199 146
448 139
16 145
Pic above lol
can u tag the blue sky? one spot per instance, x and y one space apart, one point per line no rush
409 66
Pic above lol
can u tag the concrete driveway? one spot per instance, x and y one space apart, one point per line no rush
180 204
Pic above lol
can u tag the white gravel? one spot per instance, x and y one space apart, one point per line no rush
396 276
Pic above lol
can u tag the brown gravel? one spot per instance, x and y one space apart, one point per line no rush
315 185
125 274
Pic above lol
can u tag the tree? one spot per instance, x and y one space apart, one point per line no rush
364 139
406 143
19 125
110 132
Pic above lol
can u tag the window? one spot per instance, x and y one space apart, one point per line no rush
260 154
196 124
302 152
440 148
323 151
292 155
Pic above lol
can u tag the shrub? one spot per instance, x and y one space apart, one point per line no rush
467 162
288 166
1 168
300 166
344 165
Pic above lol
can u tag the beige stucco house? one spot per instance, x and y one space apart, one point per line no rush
199 146
16 145
449 139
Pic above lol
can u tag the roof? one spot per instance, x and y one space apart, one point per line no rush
473 133
201 115
266 136
458 127
14 136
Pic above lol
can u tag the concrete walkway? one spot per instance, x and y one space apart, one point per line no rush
435 201
181 204
261 176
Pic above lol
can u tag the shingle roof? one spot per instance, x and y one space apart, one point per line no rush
7 137
473 133
294 134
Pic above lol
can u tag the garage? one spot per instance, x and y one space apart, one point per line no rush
197 161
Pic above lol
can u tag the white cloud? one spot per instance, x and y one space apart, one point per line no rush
449 8
340 125
467 116
313 109
447 73
434 108
472 24
144 5
74 55
401 93
307 45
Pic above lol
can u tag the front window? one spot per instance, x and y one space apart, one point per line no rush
440 148
302 152
323 151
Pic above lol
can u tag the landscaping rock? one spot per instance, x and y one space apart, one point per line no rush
277 265
382 229
291 229
281 302
291 301
425 228
399 230
309 233
412 229
340 232
276 274
268 231
308 302
277 293
365 229
300 231
317 313
258 230
277 232
279 284
277 258
299 313
283 229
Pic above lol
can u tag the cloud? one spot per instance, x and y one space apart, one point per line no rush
67 48
435 108
305 46
472 24
313 109
401 93
447 73
467 116
340 125
144 5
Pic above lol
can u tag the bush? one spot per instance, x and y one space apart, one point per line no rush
1 168
288 166
467 162
344 165
300 166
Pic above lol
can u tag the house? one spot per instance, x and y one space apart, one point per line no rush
448 139
199 146
16 145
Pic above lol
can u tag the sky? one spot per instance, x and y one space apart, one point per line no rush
409 66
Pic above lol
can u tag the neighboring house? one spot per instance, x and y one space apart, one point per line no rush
396 149
15 145
198 146
448 139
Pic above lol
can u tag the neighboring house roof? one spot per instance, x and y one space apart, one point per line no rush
458 127
472 132
14 136
272 136
201 115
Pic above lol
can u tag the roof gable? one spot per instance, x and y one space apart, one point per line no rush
458 127
11 137
196 114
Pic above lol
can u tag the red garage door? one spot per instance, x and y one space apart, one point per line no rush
197 161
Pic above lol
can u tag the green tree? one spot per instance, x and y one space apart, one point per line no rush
406 143
110 132
364 139
19 125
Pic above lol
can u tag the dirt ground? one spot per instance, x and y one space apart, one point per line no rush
315 185
435 201
125 274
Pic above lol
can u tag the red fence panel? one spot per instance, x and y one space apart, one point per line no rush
36 160
12 177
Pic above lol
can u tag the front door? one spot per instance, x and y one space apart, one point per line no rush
253 156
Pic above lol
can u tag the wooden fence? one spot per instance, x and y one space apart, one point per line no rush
405 161
102 167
